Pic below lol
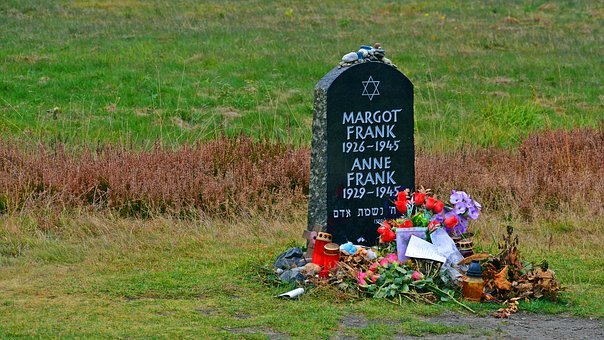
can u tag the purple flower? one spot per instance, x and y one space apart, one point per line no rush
468 200
477 205
473 212
440 218
462 226
450 213
460 208
456 196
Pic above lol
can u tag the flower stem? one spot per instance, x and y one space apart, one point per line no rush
452 298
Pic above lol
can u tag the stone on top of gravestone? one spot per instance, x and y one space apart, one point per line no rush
362 149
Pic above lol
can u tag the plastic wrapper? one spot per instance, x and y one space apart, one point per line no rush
446 247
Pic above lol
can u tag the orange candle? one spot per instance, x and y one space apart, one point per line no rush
472 286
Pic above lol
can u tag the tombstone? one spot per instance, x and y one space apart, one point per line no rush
362 149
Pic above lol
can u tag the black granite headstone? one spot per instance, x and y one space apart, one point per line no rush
362 149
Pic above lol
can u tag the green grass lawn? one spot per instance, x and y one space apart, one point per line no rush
179 71
112 277
135 72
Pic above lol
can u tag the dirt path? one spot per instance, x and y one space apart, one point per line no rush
520 326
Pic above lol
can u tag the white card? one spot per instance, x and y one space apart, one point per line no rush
423 249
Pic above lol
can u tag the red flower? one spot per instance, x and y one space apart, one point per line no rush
438 206
401 206
419 198
451 221
401 196
432 226
388 236
407 224
382 230
430 203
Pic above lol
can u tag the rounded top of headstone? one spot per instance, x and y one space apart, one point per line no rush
369 67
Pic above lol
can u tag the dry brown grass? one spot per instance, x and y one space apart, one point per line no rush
550 173
224 177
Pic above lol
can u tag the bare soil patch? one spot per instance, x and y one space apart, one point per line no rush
519 326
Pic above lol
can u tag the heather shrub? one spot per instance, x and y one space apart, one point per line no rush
224 177
548 173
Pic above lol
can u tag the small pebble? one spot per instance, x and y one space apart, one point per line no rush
350 57
379 54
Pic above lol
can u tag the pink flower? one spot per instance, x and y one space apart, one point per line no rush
373 267
416 276
361 278
374 277
392 257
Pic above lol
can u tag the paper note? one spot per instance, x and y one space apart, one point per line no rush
423 249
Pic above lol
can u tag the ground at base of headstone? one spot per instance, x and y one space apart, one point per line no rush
376 272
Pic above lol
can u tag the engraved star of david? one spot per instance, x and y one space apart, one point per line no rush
368 83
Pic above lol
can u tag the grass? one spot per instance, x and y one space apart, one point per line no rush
98 275
137 281
138 74
140 71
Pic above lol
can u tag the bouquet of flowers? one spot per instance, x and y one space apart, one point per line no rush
392 278
388 278
423 209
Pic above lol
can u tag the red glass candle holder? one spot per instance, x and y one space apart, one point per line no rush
318 255
332 255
